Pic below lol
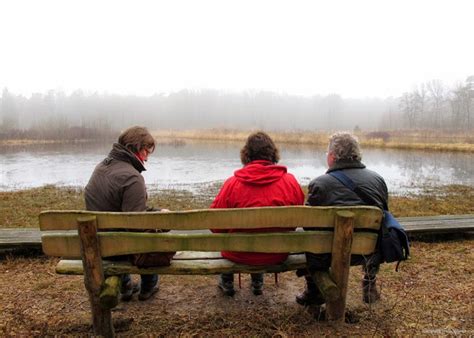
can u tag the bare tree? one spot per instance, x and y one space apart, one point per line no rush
437 98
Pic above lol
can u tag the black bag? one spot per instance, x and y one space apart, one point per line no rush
152 259
392 243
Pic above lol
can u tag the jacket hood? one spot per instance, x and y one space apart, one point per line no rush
260 172
120 153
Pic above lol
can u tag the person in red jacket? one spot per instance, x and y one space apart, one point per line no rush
261 182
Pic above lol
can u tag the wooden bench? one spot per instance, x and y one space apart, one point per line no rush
77 237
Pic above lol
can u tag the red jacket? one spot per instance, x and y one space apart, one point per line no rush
258 184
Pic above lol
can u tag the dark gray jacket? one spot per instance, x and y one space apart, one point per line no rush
116 183
326 190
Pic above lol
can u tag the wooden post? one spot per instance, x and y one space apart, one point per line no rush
94 275
340 263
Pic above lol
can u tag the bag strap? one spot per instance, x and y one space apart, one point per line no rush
348 183
367 199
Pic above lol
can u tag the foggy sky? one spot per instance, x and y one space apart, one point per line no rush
351 48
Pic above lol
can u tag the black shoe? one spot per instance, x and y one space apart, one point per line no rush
144 295
310 298
128 291
257 288
227 287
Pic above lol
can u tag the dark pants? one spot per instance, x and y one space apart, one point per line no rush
321 262
148 282
229 277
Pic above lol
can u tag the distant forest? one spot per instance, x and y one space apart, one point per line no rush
55 115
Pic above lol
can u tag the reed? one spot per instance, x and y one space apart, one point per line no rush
390 139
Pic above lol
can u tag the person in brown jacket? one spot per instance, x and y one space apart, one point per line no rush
117 185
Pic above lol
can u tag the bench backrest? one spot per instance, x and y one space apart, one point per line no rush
60 237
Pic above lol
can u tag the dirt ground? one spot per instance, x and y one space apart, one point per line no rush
432 294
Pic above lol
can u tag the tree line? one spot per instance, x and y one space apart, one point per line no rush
56 115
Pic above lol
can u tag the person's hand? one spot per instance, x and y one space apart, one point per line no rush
165 210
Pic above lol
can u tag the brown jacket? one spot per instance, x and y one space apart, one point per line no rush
116 183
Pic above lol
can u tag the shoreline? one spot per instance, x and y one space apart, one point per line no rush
381 140
405 140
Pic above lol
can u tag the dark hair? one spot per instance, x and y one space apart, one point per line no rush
259 146
137 138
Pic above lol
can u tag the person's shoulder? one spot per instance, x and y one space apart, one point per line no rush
374 174
290 177
321 180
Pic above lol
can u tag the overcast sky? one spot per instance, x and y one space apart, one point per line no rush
353 48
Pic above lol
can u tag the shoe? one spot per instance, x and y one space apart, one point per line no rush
257 288
307 298
370 294
227 287
144 295
128 291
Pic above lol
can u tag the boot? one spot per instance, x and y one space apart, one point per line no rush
226 284
149 286
311 295
257 283
370 294
128 290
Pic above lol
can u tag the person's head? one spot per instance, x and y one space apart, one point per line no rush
343 147
259 146
138 140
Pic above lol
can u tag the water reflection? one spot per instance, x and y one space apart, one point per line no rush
191 165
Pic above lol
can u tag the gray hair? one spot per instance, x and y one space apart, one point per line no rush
345 147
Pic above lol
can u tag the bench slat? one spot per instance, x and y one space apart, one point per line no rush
185 267
265 217
121 243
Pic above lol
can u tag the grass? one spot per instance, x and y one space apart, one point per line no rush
431 295
21 208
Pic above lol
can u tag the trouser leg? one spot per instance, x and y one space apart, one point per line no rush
370 293
126 282
311 295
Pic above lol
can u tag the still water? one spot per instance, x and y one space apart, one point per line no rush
196 164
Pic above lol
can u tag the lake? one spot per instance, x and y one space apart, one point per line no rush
196 164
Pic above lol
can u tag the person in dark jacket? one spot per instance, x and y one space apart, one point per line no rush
117 185
344 154
261 182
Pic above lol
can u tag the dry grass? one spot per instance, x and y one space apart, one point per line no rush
20 209
432 294
416 140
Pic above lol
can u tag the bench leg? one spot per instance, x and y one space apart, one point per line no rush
94 275
340 263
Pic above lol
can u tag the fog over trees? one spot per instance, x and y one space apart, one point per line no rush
87 115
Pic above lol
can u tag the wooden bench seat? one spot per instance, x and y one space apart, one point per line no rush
85 240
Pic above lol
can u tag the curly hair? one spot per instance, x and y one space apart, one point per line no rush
137 138
345 147
259 146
